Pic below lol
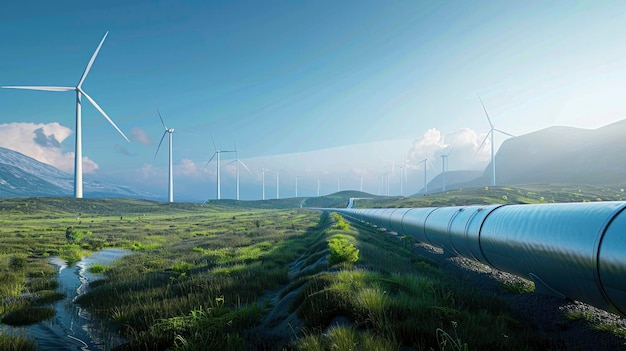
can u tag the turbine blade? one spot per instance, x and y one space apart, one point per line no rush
452 148
93 58
160 142
486 114
432 165
211 159
213 141
161 118
244 165
483 143
503 132
95 104
44 88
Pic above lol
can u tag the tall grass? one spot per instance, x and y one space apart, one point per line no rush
16 343
403 301
202 289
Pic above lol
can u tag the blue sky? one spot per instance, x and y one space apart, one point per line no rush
284 77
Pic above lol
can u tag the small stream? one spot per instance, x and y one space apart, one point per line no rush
72 327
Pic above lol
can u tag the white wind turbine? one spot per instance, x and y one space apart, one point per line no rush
78 152
277 182
444 163
426 161
318 187
263 180
403 176
237 162
491 132
217 153
169 131
297 183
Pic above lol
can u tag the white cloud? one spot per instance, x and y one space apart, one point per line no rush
186 167
139 135
43 143
462 148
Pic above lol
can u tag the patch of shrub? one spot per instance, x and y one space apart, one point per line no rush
28 315
341 250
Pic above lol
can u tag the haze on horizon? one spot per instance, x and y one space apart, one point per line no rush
335 92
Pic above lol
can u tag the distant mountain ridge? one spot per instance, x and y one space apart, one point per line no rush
564 155
21 175
554 155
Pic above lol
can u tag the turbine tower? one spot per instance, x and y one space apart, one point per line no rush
217 153
78 152
263 182
403 176
491 132
297 183
278 183
425 161
170 131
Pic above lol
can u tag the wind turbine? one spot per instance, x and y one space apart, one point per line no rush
169 131
297 183
318 187
263 180
444 161
425 161
78 152
403 175
278 183
237 162
217 153
491 132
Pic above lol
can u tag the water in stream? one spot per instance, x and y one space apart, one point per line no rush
73 328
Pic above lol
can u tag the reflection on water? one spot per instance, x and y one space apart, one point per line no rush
73 328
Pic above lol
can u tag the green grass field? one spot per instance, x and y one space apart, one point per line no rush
212 276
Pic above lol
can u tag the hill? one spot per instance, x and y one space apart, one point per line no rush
562 155
23 176
521 194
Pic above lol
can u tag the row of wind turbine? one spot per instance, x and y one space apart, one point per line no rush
78 159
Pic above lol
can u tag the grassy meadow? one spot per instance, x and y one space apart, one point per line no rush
253 276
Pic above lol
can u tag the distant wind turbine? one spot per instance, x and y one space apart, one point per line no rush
278 182
238 162
217 153
491 132
263 180
444 162
78 152
425 161
318 187
169 131
403 176
297 183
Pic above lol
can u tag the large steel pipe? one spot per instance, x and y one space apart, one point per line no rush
573 250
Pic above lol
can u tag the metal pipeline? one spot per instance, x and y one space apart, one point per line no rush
570 250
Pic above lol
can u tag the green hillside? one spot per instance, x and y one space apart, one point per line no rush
521 194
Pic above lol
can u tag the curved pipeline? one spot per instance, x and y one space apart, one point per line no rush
571 250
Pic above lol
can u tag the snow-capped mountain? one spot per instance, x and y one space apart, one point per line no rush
21 175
